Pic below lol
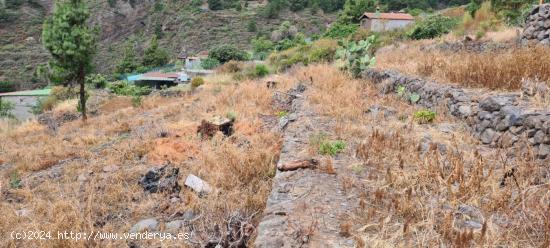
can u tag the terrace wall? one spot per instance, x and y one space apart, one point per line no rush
497 119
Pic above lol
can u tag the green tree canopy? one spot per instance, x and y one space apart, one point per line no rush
128 63
155 56
72 44
354 9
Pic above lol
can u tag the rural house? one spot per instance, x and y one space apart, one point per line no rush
385 21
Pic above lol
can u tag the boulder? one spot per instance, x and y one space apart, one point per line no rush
495 103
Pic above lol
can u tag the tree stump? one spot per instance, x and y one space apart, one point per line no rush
209 128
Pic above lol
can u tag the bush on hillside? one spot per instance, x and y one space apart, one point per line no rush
323 50
124 88
196 82
262 47
261 71
432 27
209 63
7 87
97 81
225 53
6 108
339 30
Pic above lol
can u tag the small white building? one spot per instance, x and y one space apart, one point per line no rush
385 21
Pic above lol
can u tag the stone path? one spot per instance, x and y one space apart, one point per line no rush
306 206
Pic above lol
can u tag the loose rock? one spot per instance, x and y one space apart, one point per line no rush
198 185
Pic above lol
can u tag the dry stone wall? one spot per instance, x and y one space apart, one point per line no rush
537 25
497 119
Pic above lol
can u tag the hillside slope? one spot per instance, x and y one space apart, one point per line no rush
182 27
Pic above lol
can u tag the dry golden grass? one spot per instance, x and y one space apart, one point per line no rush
409 198
49 163
502 70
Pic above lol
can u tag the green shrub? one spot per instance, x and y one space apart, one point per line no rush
261 70
155 56
15 180
196 82
225 53
7 87
262 47
6 108
424 116
323 50
126 89
97 81
340 30
331 148
432 27
209 63
357 56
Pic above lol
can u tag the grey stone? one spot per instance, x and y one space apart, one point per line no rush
198 185
539 137
283 122
484 115
502 125
483 125
531 133
495 103
465 111
533 121
544 151
150 224
488 135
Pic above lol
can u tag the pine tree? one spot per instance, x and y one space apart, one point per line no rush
155 56
72 44
128 63
353 9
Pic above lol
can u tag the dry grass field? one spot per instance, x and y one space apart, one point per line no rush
84 177
497 70
427 185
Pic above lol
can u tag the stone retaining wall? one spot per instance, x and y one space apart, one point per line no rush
497 119
537 25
